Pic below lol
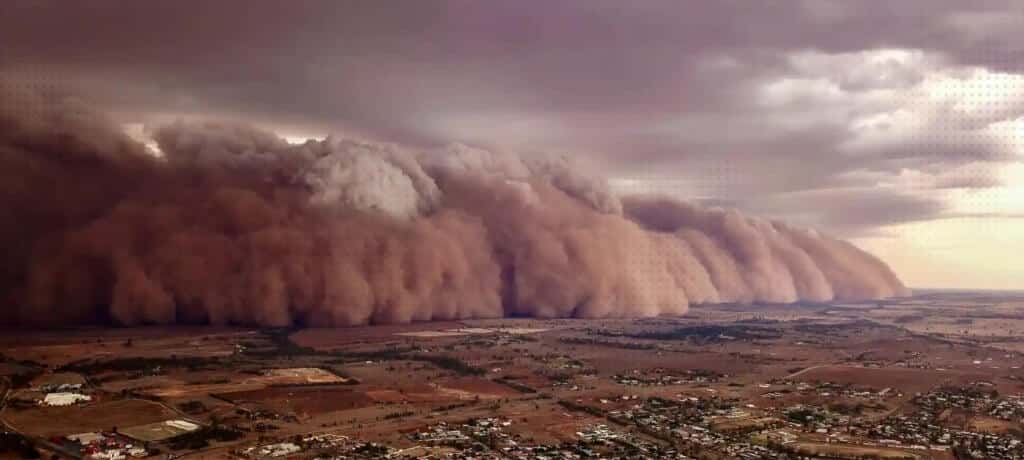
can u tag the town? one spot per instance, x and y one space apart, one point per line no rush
880 380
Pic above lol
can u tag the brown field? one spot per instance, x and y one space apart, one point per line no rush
58 378
142 383
477 387
386 396
149 432
908 380
992 425
335 338
191 391
195 384
296 376
304 400
51 421
423 393
747 423
62 347
854 452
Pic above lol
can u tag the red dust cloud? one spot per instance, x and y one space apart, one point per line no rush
229 224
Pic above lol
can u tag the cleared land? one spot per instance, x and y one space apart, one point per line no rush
549 378
51 421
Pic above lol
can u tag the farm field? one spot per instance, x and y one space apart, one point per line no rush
828 375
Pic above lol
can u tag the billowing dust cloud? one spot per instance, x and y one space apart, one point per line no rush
228 224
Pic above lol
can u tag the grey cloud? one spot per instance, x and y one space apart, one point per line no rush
973 180
656 87
364 63
851 210
937 152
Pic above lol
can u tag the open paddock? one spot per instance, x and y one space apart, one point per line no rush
56 348
471 387
856 452
908 380
99 416
192 391
303 400
415 393
58 378
159 431
329 339
297 376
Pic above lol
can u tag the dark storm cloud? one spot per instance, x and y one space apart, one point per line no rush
854 209
669 86
358 61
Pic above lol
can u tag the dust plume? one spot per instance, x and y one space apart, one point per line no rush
228 224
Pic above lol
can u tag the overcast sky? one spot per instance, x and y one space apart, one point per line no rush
898 125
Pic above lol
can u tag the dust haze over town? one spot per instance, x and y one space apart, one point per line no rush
557 230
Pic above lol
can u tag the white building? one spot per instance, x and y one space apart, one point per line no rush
64 399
